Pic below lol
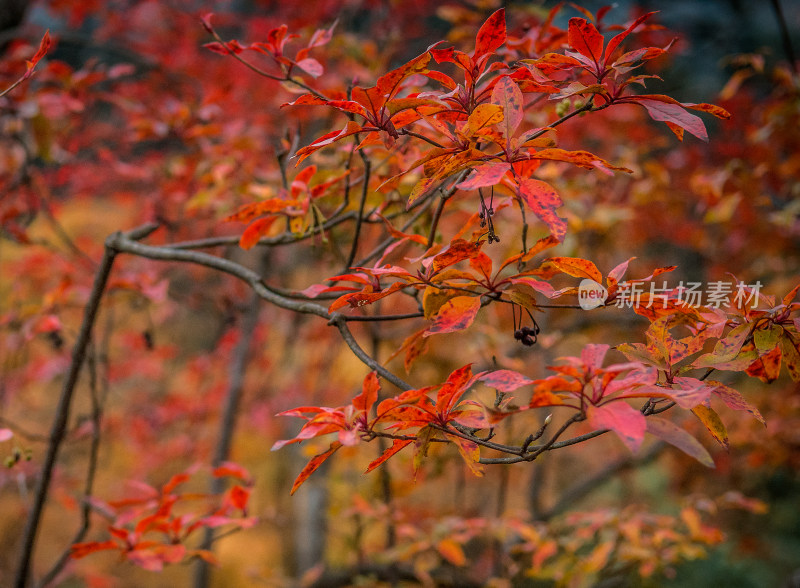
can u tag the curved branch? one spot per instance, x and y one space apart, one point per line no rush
121 243
338 321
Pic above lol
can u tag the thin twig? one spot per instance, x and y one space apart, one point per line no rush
437 215
360 218
786 38
91 471
422 137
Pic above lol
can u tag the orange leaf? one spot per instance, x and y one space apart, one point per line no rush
257 229
713 423
174 482
398 445
272 205
357 299
543 200
452 552
313 464
458 250
583 159
452 390
455 315
717 111
482 117
577 267
471 454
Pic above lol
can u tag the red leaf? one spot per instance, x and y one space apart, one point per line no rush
455 315
313 464
174 482
232 470
691 392
389 452
351 128
452 390
585 39
206 20
389 83
674 435
44 46
239 496
615 275
217 47
311 66
543 200
615 41
491 35
733 399
369 393
507 94
675 114
593 355
505 380
485 175
79 550
627 422
540 286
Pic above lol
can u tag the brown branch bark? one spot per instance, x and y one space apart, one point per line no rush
61 419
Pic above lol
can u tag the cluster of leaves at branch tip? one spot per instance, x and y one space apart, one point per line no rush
474 126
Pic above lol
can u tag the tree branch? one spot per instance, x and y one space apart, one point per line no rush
61 419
